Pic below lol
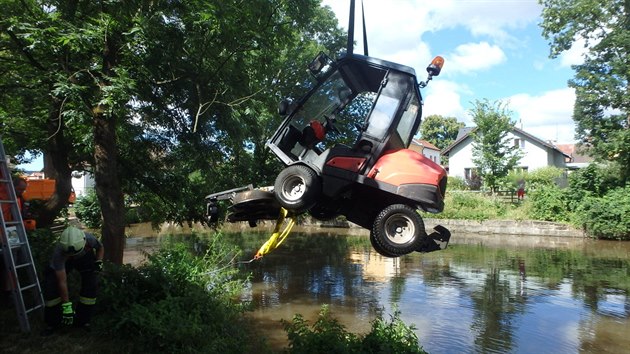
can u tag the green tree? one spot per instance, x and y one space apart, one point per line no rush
493 153
440 131
602 107
163 101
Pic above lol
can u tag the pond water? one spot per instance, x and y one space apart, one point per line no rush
484 294
481 295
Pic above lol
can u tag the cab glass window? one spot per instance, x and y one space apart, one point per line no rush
407 120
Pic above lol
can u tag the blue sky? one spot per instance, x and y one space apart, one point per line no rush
493 49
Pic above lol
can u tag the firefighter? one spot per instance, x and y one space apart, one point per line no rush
76 250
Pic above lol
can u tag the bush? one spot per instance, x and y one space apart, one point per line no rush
178 302
545 177
595 179
607 217
456 184
329 336
88 210
470 206
549 203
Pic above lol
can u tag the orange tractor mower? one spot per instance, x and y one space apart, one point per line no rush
345 145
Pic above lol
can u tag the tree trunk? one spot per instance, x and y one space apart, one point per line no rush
56 168
108 188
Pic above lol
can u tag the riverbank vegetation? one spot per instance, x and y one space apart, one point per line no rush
186 298
595 199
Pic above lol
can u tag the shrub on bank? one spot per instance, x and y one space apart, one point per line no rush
470 206
177 302
327 335
549 203
606 217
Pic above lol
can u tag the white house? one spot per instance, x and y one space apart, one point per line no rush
536 153
82 183
427 149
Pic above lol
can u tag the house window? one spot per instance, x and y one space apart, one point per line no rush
470 173
519 143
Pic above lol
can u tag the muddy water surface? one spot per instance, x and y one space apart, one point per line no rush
487 295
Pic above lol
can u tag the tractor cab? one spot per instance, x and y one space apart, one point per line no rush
359 108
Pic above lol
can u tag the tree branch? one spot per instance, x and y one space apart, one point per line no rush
28 55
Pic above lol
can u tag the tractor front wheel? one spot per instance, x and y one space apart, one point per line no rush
398 230
297 188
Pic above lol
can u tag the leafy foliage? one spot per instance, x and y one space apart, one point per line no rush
163 102
88 211
440 131
544 177
608 216
327 335
549 203
538 178
492 152
456 183
179 301
602 81
471 206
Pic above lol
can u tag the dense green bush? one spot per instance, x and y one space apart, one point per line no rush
606 217
179 301
327 335
456 184
42 242
88 210
471 206
549 203
544 177
595 180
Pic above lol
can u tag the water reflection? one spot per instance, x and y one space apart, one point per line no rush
469 298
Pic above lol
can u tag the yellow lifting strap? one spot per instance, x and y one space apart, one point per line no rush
277 236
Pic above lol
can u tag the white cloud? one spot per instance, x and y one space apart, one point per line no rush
575 55
490 18
444 98
393 25
547 116
475 56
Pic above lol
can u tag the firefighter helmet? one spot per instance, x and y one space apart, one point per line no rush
72 240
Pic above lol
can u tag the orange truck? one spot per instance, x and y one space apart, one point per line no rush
43 189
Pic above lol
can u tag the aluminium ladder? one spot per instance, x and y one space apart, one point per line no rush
14 248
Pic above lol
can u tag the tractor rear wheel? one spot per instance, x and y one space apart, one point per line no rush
378 248
297 188
398 230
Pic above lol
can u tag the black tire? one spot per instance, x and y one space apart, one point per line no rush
398 230
297 188
378 248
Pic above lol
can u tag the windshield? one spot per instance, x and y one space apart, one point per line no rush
331 102
330 98
355 101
